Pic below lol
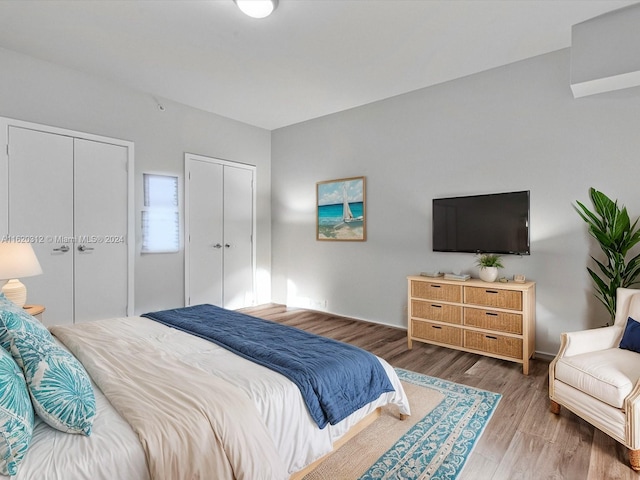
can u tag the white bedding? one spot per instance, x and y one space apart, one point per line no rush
113 450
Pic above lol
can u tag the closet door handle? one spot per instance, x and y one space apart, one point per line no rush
63 249
83 248
227 245
217 245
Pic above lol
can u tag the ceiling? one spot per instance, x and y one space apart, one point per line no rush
309 59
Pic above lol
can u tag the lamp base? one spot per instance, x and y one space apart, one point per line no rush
15 291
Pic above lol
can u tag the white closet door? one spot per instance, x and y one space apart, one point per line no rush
238 236
41 206
205 268
100 251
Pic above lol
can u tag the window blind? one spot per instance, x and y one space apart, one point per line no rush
160 215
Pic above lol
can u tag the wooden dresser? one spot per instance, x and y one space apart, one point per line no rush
492 319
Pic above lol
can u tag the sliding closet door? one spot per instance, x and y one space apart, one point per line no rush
238 236
205 233
100 210
41 209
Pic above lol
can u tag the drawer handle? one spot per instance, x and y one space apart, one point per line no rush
491 291
435 286
436 306
436 326
491 314
491 337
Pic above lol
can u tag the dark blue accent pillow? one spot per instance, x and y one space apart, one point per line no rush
631 338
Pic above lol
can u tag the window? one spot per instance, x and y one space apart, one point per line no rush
160 215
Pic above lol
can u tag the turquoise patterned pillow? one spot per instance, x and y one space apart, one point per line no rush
5 301
59 386
16 415
6 307
13 318
7 304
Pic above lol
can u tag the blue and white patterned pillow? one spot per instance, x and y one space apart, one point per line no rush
13 318
5 303
16 415
4 300
7 306
59 386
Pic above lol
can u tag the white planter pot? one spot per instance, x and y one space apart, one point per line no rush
488 274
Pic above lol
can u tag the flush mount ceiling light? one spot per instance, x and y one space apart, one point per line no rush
257 8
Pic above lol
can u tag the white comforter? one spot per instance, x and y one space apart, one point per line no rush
192 425
112 451
295 436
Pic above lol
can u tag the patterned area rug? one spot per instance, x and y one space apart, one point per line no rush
447 419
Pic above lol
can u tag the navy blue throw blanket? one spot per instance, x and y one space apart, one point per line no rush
335 378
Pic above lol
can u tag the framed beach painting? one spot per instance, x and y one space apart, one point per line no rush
341 210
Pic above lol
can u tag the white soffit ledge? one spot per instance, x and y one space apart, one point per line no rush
605 52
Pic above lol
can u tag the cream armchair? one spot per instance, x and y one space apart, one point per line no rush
598 381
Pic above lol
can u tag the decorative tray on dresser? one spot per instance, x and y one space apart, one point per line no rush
492 319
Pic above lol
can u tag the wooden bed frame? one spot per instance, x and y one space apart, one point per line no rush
356 429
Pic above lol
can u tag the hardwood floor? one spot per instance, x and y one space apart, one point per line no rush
523 439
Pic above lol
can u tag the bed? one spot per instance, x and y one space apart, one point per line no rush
271 433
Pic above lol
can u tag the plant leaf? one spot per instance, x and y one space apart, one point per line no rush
611 226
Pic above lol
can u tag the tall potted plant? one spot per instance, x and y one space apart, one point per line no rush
611 227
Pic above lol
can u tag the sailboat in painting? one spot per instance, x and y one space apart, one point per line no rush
347 216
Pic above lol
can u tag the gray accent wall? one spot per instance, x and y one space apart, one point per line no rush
516 127
37 91
512 128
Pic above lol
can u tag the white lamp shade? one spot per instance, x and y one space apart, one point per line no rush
257 8
17 260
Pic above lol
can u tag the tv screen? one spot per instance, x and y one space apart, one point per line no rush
494 223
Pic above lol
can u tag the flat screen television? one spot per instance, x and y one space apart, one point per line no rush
493 223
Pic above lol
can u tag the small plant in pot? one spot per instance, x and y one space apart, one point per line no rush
489 264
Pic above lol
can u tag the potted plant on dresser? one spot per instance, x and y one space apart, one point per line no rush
489 264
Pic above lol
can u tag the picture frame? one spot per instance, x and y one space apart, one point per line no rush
341 213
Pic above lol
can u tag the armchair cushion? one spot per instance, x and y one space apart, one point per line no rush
608 375
586 341
631 337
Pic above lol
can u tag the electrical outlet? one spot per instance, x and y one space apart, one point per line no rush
318 304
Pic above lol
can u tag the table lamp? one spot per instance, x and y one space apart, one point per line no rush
17 260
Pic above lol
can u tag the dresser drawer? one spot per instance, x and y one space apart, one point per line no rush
497 344
492 320
437 333
493 297
436 311
436 291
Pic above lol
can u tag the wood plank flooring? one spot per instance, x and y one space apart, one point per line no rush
523 439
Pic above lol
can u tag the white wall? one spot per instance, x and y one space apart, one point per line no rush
40 92
512 128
